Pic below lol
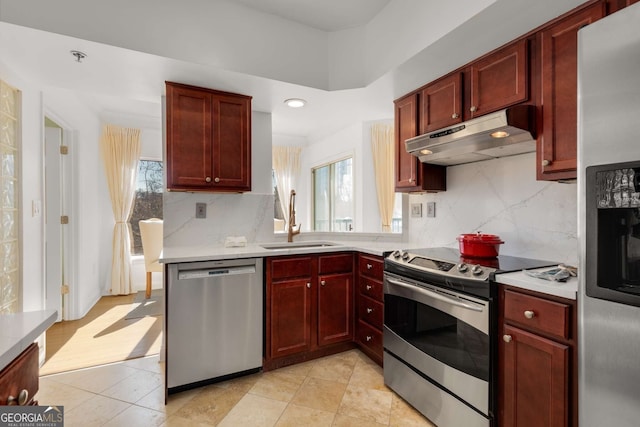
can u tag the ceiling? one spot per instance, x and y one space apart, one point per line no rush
326 15
115 82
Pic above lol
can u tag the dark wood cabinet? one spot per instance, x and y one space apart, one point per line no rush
370 306
290 324
615 5
208 140
498 80
537 363
411 175
19 380
441 103
309 307
557 146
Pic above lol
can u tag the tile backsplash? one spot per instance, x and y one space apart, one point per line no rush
248 214
536 219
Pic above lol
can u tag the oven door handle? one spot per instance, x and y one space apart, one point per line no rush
435 295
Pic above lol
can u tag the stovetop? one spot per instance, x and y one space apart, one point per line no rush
446 267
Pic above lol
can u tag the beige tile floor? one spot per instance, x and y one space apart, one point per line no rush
346 389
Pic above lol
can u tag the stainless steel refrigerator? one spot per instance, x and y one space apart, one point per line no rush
609 220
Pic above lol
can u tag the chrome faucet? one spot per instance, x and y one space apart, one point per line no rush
292 217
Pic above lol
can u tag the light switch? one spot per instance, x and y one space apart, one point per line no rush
431 209
36 208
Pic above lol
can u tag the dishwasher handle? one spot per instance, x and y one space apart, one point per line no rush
216 272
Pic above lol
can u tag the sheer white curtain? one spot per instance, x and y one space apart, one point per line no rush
120 148
382 146
286 165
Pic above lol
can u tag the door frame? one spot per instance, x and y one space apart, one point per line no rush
69 206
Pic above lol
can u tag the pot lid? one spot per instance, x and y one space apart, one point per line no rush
479 237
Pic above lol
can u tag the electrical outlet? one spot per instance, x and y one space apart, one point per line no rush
201 210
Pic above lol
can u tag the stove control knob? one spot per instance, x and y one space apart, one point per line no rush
396 254
405 255
476 270
462 268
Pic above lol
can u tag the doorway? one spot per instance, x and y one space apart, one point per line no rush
56 202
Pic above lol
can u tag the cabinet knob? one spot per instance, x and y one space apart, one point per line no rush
455 115
217 179
369 287
546 162
506 338
529 314
369 266
322 282
369 338
22 399
207 179
369 310
473 109
308 285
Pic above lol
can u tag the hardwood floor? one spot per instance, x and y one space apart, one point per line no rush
102 336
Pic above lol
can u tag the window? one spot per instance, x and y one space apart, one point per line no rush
148 202
10 285
333 204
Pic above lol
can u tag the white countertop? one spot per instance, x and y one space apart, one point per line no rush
19 330
568 289
255 250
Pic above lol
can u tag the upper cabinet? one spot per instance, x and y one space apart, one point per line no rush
499 80
557 146
410 174
441 103
208 140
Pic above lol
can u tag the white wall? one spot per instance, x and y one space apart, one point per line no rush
536 219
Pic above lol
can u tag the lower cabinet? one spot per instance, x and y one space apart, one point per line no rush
370 306
309 307
537 366
19 380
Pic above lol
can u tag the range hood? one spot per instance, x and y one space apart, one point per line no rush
504 133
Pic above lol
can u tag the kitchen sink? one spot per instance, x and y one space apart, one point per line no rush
298 245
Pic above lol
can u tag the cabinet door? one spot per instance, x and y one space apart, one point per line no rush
406 126
232 142
441 103
411 174
189 138
335 308
535 375
499 80
557 149
290 317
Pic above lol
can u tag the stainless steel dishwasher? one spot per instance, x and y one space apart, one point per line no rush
214 317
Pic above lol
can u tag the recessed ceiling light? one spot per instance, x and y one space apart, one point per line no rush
79 55
295 102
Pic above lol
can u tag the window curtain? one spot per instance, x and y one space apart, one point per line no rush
286 165
382 146
120 148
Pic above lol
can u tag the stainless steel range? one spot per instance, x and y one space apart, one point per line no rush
440 324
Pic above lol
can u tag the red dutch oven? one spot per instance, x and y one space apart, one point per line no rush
479 245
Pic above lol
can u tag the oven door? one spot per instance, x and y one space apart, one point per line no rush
442 334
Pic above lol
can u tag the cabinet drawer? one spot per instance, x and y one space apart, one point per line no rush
371 288
286 268
21 374
369 337
370 311
335 263
371 266
544 315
